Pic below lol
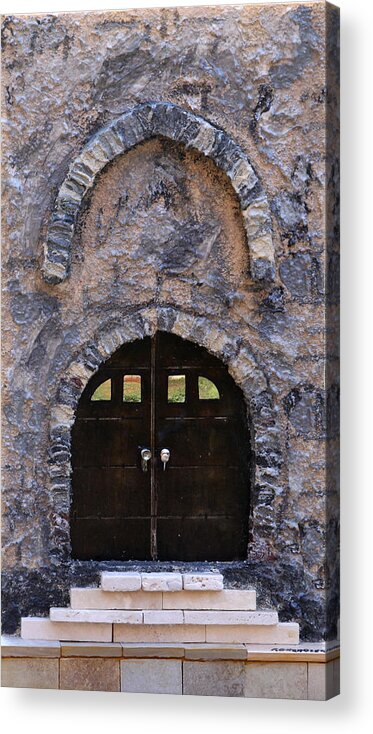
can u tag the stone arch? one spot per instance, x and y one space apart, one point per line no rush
139 124
145 321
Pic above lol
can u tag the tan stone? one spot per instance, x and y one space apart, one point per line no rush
276 680
159 633
231 618
109 616
38 628
98 599
281 633
151 676
29 673
216 678
91 674
228 599
173 616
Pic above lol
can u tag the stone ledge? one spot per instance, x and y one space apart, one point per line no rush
224 600
127 581
16 647
312 652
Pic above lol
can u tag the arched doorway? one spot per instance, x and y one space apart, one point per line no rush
161 457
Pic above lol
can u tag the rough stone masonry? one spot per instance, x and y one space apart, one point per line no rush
178 170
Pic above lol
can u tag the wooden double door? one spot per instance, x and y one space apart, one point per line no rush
161 457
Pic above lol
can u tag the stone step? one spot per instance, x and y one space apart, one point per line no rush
157 581
228 599
281 633
38 628
163 616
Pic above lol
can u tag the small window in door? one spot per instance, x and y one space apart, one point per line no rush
103 391
176 389
132 388
207 389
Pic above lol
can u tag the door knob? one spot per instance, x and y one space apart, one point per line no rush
146 454
165 455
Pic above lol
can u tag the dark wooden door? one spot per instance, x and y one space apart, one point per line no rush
161 393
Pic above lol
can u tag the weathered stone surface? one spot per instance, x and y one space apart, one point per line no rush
161 242
200 582
213 678
121 581
29 673
151 676
279 680
98 599
90 674
234 599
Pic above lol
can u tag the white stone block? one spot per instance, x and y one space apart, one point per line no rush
203 581
111 581
98 599
231 618
38 628
151 676
96 616
178 633
161 581
173 616
228 599
281 633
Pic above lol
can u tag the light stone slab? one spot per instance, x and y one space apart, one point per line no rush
214 678
161 582
29 673
98 599
159 633
151 676
96 616
281 633
231 618
228 599
38 628
203 581
111 581
173 616
276 680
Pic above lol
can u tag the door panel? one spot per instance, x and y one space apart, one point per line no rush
124 492
201 492
211 539
120 540
194 509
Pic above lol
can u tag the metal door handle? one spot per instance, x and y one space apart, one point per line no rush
165 455
146 454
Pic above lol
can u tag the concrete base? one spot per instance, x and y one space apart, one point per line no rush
305 671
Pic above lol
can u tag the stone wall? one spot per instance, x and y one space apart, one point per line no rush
168 233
